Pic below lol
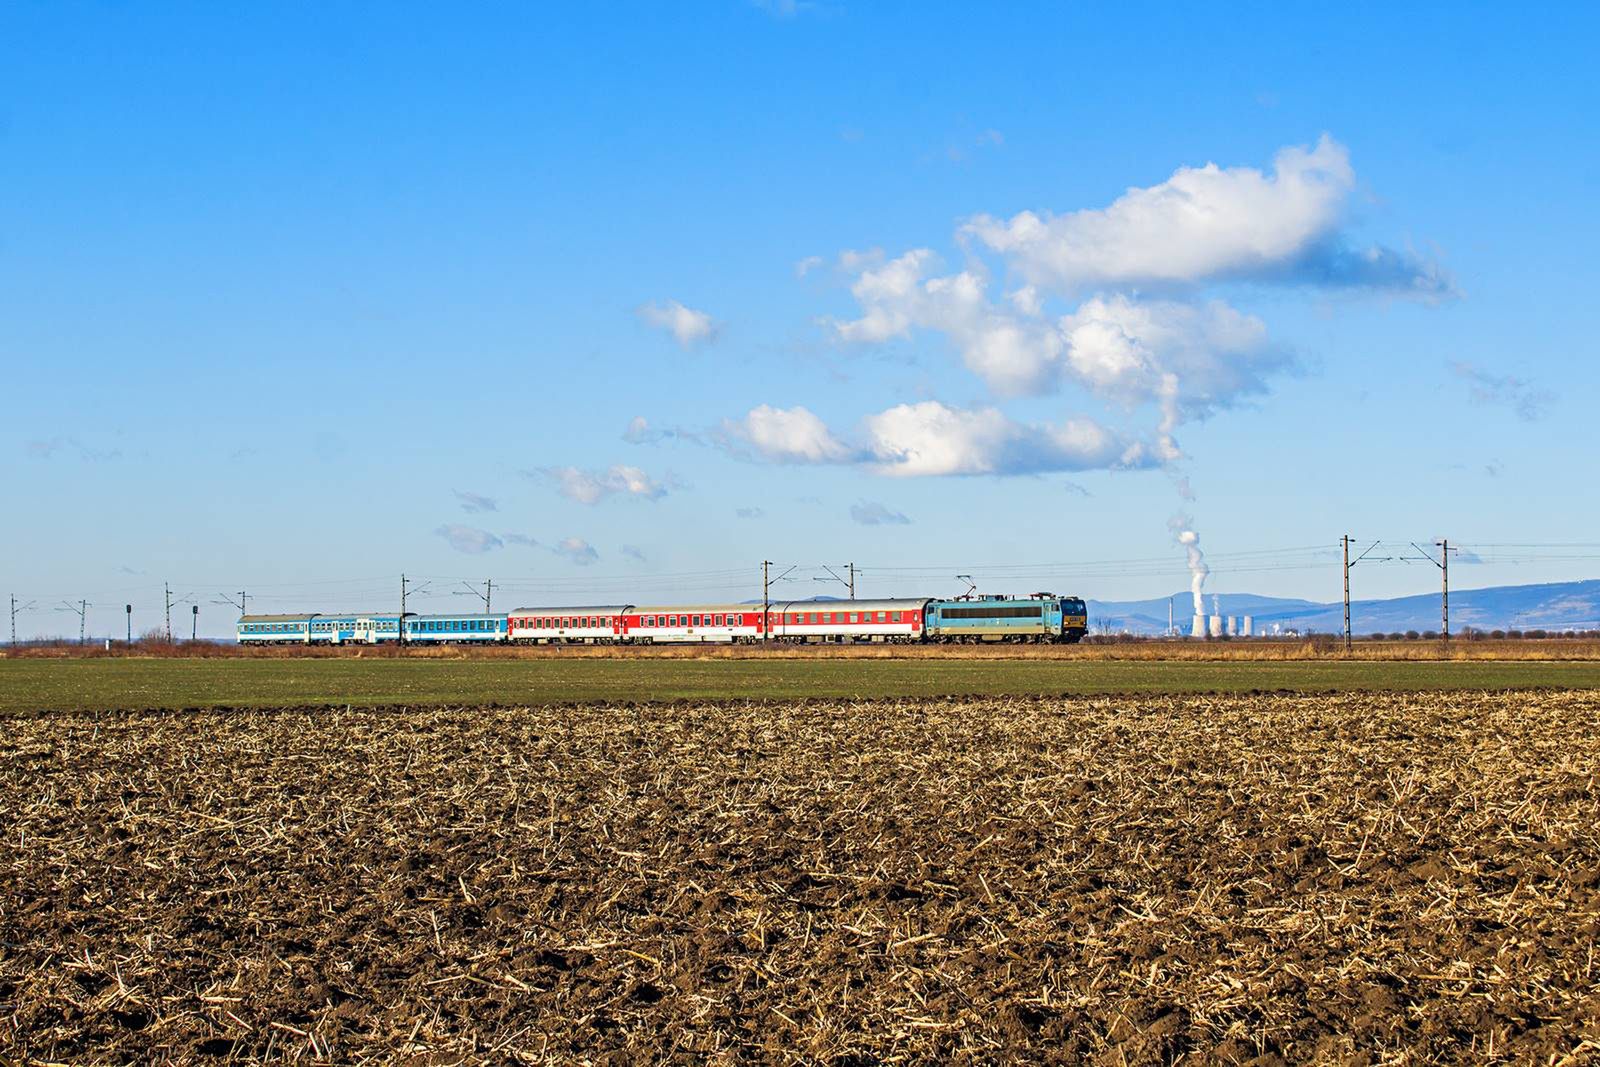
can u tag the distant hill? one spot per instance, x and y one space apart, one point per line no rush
1554 606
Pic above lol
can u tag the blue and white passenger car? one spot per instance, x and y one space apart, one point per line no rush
455 629
275 629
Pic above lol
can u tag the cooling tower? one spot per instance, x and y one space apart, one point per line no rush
1216 626
1249 626
1199 626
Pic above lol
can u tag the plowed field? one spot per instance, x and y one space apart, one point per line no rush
1362 878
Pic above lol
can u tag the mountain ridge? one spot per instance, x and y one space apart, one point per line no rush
1545 606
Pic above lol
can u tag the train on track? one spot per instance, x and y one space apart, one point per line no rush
1038 618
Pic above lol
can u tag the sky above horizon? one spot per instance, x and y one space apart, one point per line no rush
616 302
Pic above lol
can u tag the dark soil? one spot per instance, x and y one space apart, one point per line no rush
1355 879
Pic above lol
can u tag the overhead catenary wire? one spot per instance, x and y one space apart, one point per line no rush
899 578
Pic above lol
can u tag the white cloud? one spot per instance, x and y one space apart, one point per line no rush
914 440
634 553
1189 359
521 539
468 539
872 513
792 435
1212 223
576 550
689 326
749 513
472 502
593 486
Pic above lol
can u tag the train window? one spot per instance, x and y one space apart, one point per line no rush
854 617
883 616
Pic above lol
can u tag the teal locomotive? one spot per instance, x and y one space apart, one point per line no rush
1040 617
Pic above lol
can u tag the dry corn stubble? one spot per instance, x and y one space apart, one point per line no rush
1139 879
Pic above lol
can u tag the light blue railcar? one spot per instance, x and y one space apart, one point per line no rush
455 629
334 629
275 629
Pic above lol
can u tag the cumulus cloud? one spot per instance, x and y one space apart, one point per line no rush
521 539
1107 300
1211 223
633 553
792 435
473 503
1520 395
749 513
593 486
872 513
1189 359
916 440
688 326
468 539
576 550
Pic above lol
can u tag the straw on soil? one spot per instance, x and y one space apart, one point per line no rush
1142 880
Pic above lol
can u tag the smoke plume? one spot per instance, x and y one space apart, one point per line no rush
1198 571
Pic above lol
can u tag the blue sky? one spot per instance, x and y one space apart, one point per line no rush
296 298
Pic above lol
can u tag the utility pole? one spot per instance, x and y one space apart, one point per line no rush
224 598
832 577
1444 596
485 596
14 609
80 609
400 627
1345 542
167 589
1443 563
766 596
1348 563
